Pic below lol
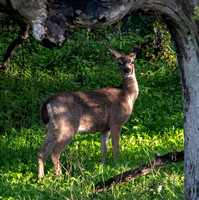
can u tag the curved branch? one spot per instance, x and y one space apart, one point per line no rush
23 35
140 171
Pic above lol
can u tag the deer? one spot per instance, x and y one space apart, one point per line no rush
104 110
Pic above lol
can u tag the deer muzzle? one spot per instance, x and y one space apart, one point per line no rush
127 71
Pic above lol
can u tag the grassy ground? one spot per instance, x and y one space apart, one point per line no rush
156 124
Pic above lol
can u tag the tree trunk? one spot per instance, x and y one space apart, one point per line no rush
51 19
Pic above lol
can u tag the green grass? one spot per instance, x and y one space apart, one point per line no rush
82 167
156 124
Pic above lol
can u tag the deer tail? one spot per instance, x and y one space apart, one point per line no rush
44 113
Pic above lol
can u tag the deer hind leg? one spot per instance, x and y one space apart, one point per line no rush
65 136
104 144
115 138
48 144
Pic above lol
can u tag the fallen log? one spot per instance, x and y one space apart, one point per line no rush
140 171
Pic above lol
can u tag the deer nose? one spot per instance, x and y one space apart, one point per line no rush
127 70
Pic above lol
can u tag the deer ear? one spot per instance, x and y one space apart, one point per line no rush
114 53
135 51
133 55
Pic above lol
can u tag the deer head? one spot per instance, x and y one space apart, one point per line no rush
126 63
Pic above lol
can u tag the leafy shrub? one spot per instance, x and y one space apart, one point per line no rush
196 12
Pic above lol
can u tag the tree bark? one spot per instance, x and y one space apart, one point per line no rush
51 19
140 171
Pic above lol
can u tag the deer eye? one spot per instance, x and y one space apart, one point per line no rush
119 62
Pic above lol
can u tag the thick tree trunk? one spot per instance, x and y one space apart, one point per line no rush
51 19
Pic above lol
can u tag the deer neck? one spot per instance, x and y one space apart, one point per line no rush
130 86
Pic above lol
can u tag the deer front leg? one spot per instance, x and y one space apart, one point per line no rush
104 144
115 138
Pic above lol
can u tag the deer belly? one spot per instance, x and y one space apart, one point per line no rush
92 125
82 129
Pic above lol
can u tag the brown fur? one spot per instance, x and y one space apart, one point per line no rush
68 113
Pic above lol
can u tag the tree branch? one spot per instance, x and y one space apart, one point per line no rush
23 35
140 171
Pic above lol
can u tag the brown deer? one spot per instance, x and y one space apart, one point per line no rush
103 110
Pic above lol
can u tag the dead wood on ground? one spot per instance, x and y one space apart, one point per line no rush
140 171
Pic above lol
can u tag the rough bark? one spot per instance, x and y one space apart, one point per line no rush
140 171
51 19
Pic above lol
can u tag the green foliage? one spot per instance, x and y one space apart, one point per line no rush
196 12
84 64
